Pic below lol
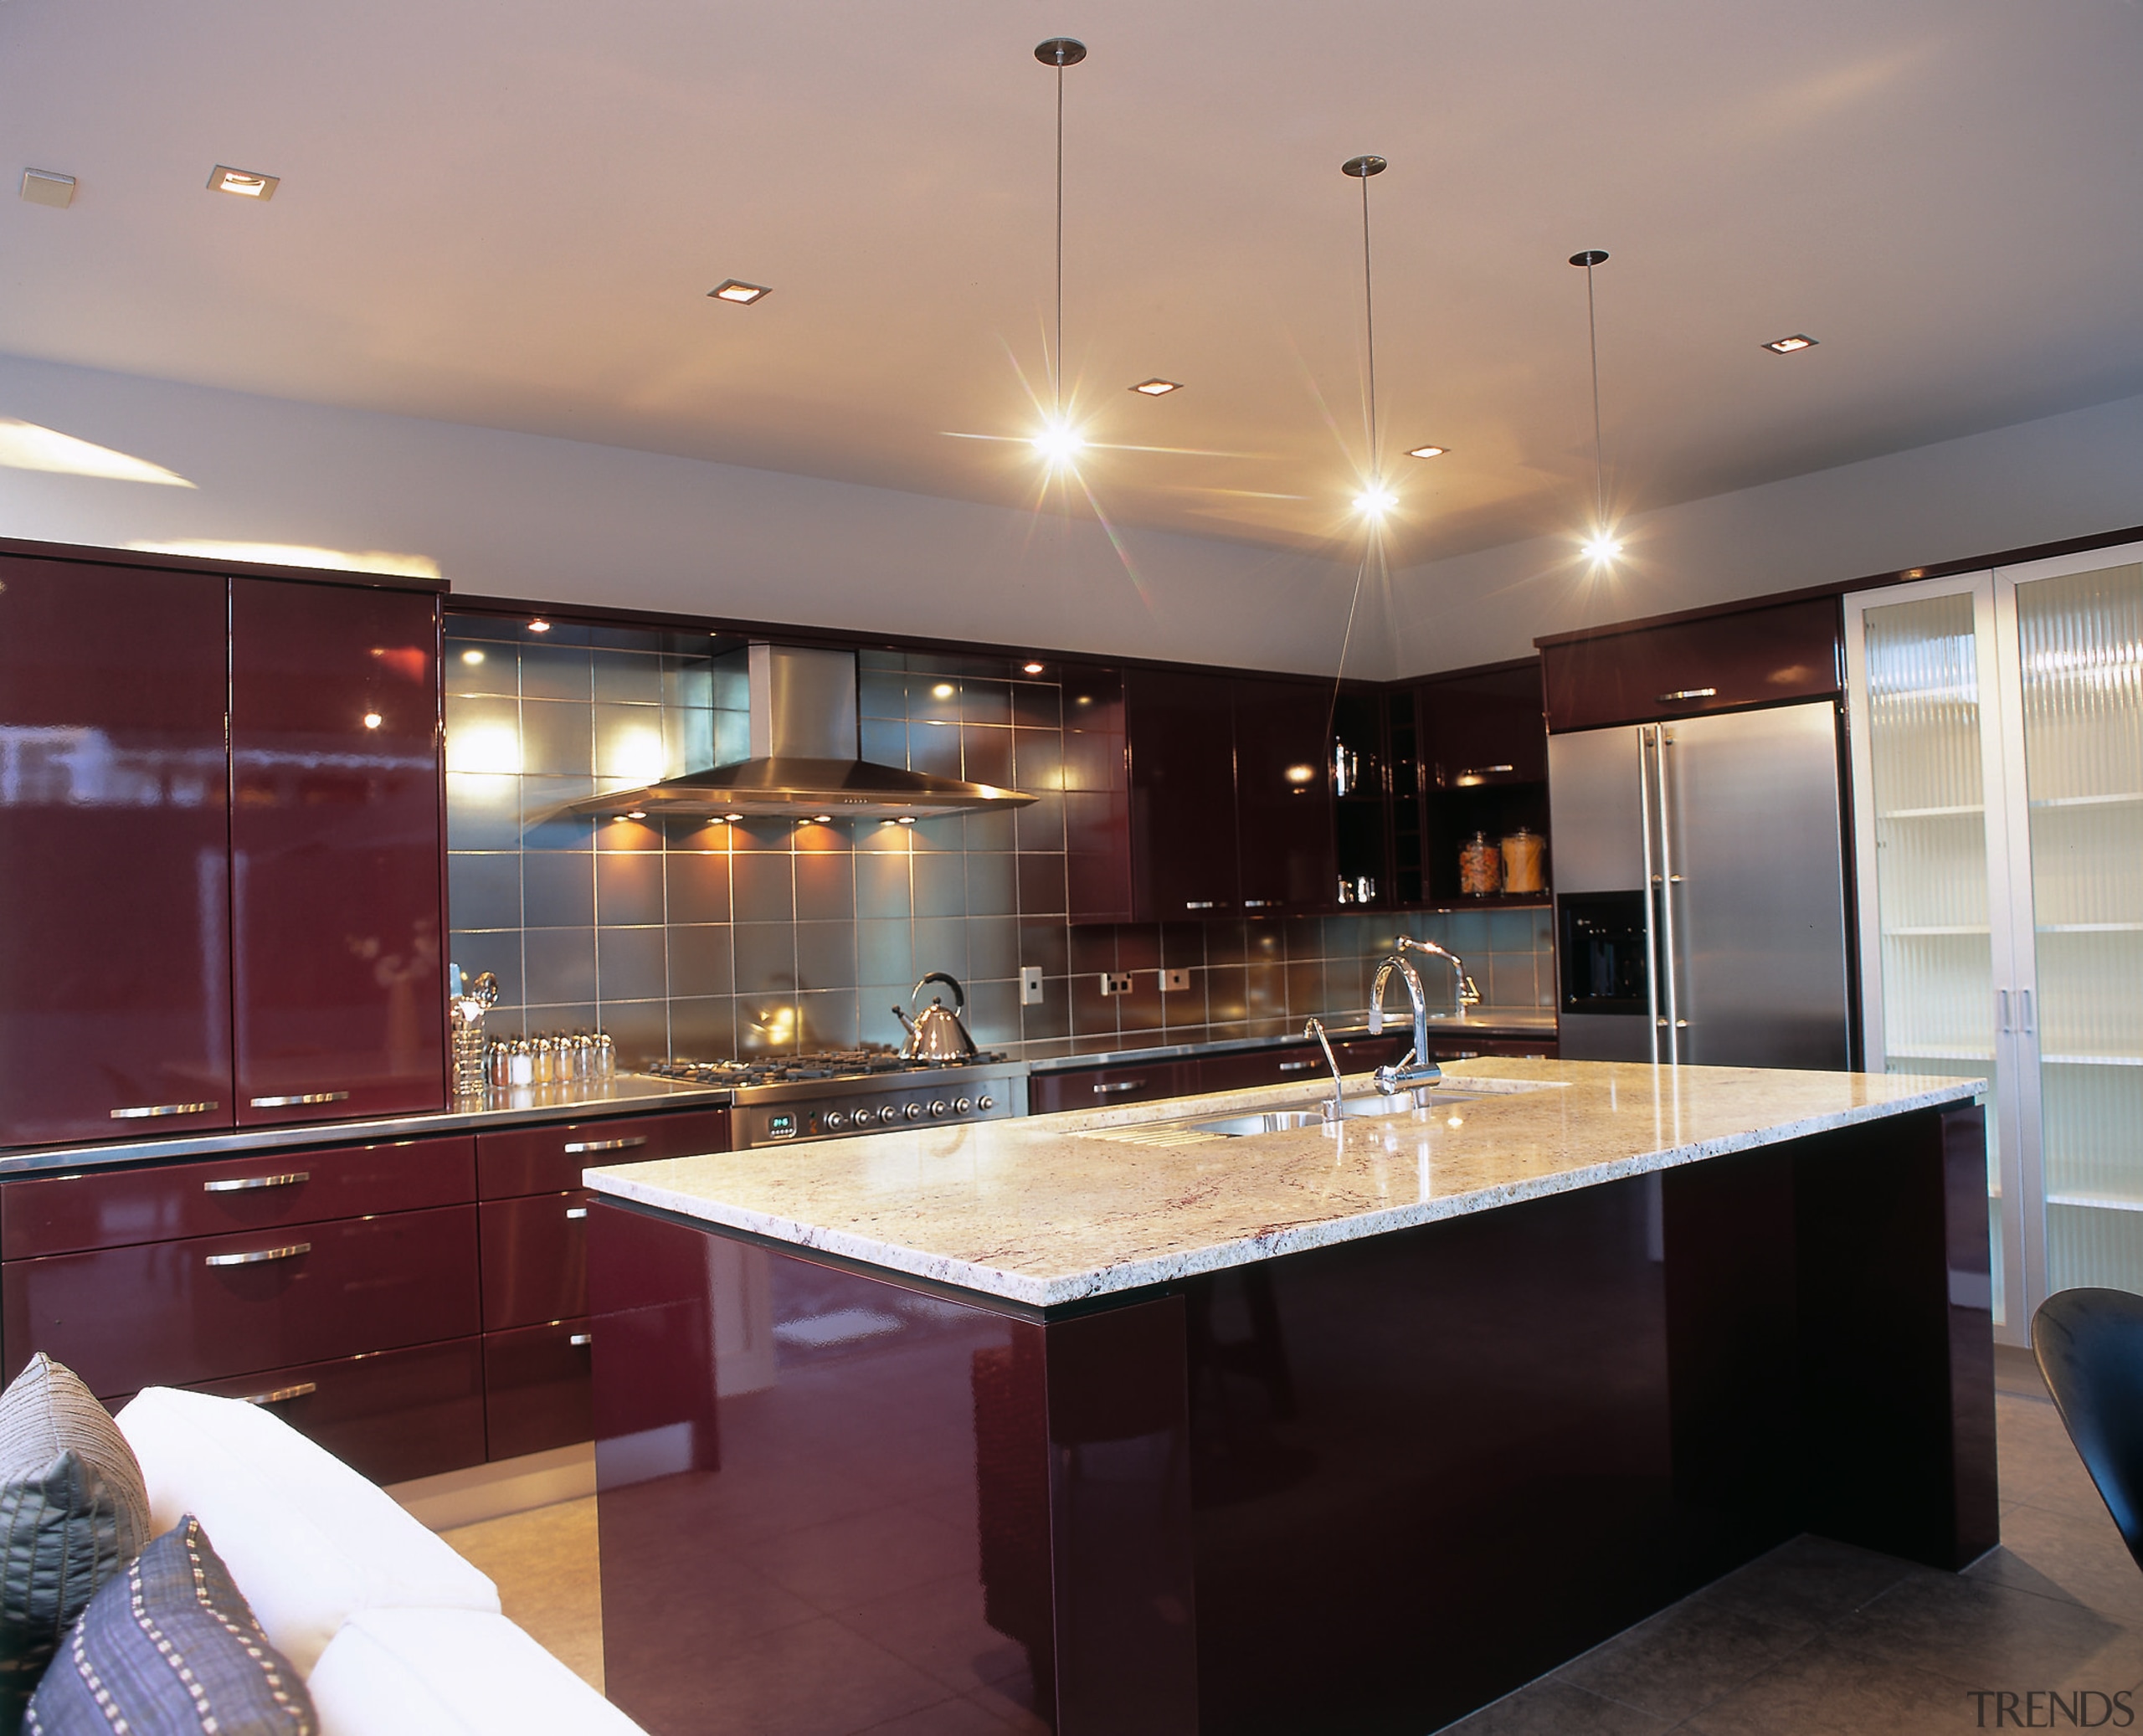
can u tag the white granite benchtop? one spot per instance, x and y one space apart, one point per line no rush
1050 1209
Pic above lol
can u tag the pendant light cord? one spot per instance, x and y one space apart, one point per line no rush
1058 367
1599 465
1368 322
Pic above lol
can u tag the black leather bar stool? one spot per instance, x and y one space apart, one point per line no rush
2089 1346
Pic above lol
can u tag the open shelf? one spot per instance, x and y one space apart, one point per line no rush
1934 929
2123 798
2091 1061
1968 808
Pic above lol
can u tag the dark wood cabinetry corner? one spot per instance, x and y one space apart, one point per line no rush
1678 669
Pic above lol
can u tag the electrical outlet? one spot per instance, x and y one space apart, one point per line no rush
1173 981
1030 985
1115 982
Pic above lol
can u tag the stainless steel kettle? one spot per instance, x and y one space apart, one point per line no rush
936 1032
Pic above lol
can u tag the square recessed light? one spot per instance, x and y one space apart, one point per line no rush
41 186
1788 346
245 183
1158 386
1427 451
743 293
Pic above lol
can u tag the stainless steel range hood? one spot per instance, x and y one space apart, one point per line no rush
804 758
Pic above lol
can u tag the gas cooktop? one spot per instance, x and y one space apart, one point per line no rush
844 1092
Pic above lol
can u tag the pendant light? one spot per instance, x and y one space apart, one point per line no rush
1059 442
1374 500
1601 547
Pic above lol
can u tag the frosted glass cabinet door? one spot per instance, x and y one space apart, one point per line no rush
1929 839
2076 652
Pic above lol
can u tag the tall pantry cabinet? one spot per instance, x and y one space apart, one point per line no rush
1997 723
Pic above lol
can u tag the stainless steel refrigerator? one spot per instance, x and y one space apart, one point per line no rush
1700 890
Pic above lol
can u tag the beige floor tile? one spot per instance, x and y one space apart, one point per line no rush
545 1565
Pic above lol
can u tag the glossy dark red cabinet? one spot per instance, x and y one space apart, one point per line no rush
1283 805
176 1313
1106 1087
65 1213
537 1393
1678 669
336 853
535 1258
549 1158
115 983
388 1414
1180 727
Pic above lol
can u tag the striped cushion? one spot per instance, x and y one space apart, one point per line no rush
170 1649
73 1513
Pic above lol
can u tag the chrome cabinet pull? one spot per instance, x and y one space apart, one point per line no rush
582 1339
576 1211
148 1110
1198 904
282 1394
246 1184
582 1145
262 1255
1297 1066
1121 1085
1259 903
1683 693
301 1098
2024 1008
1478 772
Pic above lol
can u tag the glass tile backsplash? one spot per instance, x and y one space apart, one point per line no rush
703 940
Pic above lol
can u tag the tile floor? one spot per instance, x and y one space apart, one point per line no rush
1816 1639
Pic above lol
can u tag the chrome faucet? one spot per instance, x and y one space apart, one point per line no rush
1414 1068
1336 1110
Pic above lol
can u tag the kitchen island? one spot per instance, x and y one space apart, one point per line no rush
1151 1419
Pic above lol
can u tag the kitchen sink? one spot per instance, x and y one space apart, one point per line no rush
1287 1121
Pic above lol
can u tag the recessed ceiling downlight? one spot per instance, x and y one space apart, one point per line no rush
1788 346
1427 451
45 187
245 183
743 293
1158 387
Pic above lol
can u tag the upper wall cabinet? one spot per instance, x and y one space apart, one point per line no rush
1283 803
1676 669
115 958
335 851
1181 738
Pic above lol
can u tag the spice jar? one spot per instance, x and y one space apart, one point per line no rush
1480 866
1523 854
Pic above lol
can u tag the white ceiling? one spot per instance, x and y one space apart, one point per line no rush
510 215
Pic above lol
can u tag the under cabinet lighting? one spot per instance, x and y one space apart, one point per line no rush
906 819
1427 451
1788 346
1158 387
943 690
822 819
1032 668
636 814
245 183
539 626
743 293
42 187
472 658
733 818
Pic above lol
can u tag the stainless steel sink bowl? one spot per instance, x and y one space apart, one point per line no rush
1287 1121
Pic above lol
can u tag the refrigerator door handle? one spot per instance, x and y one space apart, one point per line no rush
2024 1007
1675 1025
1645 734
2002 1010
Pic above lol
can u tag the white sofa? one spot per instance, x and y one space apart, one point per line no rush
394 1631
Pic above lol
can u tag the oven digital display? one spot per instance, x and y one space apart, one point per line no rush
781 1125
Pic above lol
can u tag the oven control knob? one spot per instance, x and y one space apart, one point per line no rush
985 1104
889 1113
835 1121
961 1106
938 1106
913 1111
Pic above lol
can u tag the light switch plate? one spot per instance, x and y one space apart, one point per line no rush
1030 985
1115 982
1172 981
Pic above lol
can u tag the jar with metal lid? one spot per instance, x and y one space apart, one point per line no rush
1522 852
606 1056
1480 866
521 1066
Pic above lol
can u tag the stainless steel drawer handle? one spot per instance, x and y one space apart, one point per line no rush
300 1099
1297 1066
282 1394
1259 903
582 1145
1198 904
261 1255
247 1184
1124 1085
576 1211
1681 693
581 1339
1478 772
154 1109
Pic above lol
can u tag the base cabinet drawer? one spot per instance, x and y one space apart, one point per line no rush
535 1256
1105 1087
549 1158
537 1389
390 1415
115 1208
177 1313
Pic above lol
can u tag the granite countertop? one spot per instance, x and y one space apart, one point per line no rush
621 1094
1480 1021
1050 1209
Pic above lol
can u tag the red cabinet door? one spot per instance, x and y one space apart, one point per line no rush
336 891
534 1256
115 978
1680 669
537 1390
1107 1087
1283 802
1181 731
549 1158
